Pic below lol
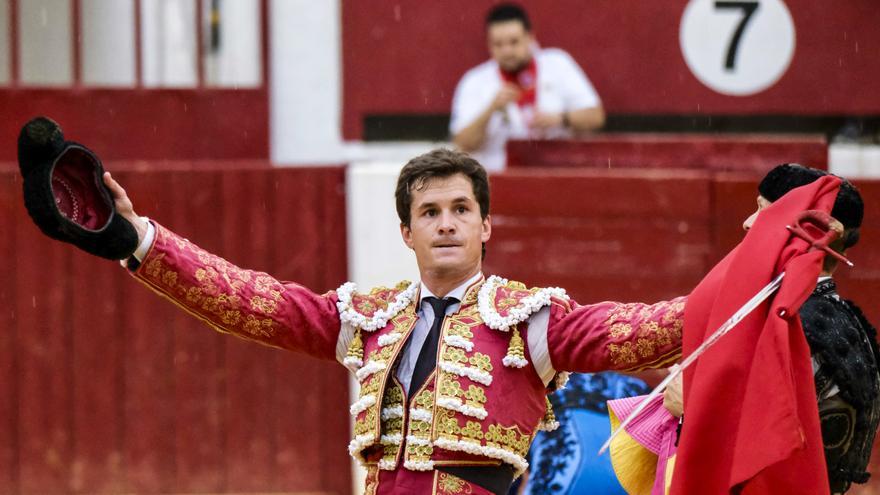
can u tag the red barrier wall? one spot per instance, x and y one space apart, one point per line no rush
628 48
156 124
586 231
743 152
640 234
109 389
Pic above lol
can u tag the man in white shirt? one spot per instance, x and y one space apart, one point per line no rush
522 92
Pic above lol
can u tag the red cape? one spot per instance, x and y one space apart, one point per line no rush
751 419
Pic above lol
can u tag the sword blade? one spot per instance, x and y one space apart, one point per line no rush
725 327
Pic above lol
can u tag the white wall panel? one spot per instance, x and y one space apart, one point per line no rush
45 42
305 90
5 44
108 51
168 45
238 60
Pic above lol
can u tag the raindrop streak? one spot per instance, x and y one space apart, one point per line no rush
44 16
34 301
397 13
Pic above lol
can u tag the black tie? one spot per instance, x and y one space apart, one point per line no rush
428 354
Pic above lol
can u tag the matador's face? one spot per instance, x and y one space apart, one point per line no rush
446 230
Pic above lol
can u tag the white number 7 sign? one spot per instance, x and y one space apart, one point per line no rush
737 47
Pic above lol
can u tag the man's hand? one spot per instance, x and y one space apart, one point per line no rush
508 93
472 137
672 397
546 120
124 206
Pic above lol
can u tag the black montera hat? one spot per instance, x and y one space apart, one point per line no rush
848 208
65 195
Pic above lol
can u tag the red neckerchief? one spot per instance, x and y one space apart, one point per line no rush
526 79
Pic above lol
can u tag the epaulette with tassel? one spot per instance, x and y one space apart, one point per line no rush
354 358
503 304
516 352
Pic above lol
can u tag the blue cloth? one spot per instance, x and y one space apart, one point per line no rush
564 461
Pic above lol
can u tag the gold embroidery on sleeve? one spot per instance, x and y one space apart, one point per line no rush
257 327
215 294
659 329
263 305
622 354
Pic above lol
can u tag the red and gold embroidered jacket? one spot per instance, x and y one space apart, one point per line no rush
485 400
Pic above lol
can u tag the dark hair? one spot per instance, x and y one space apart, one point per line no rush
848 208
440 163
504 12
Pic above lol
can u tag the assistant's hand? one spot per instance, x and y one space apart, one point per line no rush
672 397
508 93
124 207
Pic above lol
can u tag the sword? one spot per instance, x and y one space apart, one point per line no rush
819 219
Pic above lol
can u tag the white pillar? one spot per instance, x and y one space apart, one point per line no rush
238 62
305 87
376 253
108 51
169 43
5 45
45 36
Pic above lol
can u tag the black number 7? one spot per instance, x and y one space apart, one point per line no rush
748 9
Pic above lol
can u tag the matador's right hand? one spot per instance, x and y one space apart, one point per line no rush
124 206
64 196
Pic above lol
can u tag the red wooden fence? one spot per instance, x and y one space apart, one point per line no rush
640 234
107 388
744 152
